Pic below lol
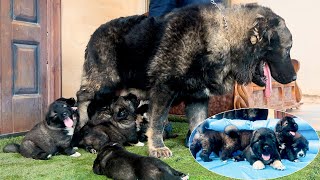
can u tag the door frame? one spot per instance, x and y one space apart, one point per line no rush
54 61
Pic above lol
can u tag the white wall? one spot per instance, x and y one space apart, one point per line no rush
303 20
80 18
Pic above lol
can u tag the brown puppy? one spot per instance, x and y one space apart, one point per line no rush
227 142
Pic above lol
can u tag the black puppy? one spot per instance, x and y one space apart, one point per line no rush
114 122
51 136
117 163
262 150
286 130
227 142
298 148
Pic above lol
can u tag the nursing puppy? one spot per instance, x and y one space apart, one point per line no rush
115 162
227 142
51 136
114 122
189 54
262 150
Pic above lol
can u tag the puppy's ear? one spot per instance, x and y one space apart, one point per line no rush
253 138
279 126
51 115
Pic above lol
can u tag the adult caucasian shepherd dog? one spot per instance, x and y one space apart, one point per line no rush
189 53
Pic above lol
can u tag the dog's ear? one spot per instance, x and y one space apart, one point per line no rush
257 31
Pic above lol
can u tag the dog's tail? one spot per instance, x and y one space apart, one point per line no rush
232 131
12 148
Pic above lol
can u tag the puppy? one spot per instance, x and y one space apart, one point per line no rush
286 130
298 148
51 136
114 122
117 163
143 122
262 150
227 142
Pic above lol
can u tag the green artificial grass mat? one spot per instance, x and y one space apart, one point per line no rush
14 166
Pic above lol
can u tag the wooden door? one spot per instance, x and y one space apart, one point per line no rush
27 64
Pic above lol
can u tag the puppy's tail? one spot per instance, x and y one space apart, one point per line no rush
12 148
232 131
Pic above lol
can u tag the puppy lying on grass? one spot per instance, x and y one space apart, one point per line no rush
115 162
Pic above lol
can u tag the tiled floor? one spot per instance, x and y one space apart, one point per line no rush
309 111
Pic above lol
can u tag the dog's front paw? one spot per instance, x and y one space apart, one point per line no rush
160 152
296 160
93 151
76 154
258 165
278 165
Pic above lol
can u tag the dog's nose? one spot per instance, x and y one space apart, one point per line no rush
64 114
266 147
300 154
294 78
295 125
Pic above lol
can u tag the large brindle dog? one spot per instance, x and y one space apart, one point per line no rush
188 54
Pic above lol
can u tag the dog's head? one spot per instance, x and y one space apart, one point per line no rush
104 155
263 144
60 115
120 113
300 146
286 127
272 42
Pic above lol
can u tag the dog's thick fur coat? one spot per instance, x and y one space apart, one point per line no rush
189 54
51 136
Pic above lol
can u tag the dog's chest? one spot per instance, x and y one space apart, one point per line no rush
69 131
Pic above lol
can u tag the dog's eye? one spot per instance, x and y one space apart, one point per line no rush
122 114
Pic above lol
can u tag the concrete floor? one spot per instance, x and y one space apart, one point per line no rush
309 111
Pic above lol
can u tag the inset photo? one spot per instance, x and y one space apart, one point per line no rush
254 143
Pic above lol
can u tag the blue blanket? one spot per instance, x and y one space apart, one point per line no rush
243 169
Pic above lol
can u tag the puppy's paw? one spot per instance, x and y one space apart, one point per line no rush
225 161
258 165
296 160
160 152
49 156
140 144
93 151
278 165
75 148
186 177
76 154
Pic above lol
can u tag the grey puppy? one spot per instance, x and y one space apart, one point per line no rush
188 54
117 163
51 136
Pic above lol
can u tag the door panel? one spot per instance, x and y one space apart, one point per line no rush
24 64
